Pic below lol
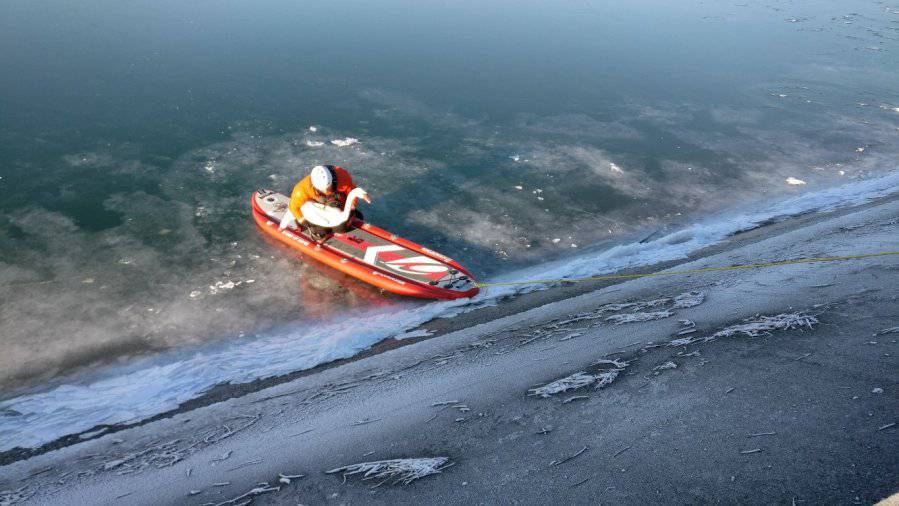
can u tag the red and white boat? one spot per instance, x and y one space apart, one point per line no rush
370 254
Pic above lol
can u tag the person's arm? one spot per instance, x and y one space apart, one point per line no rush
297 199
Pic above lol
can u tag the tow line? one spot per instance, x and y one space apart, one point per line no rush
737 267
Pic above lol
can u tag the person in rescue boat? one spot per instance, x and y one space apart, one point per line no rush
328 185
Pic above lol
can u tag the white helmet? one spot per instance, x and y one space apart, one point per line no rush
321 178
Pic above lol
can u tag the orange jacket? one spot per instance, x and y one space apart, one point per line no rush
304 191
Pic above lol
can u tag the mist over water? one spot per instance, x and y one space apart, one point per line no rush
505 136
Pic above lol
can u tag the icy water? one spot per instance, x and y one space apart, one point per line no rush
522 138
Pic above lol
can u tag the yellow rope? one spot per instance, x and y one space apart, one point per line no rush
695 271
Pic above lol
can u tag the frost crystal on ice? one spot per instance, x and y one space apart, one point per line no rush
606 378
576 380
667 365
755 327
619 319
611 369
399 470
765 324
688 299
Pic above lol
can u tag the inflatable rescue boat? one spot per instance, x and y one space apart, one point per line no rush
370 254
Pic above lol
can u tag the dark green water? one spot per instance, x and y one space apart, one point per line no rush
132 133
